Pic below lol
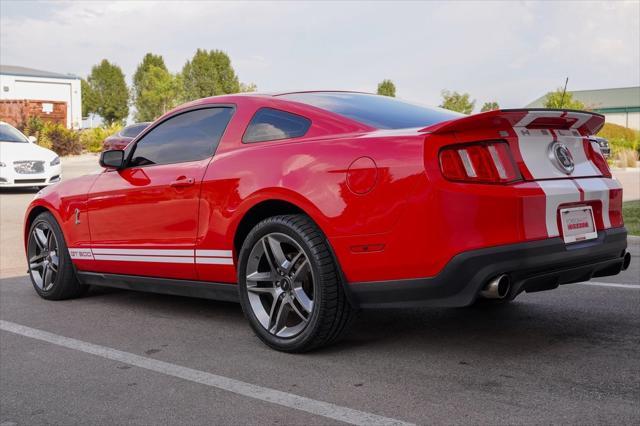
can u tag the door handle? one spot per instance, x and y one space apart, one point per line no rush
183 181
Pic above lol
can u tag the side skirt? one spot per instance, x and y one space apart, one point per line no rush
198 289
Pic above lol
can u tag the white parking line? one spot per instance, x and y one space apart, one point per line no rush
597 284
273 396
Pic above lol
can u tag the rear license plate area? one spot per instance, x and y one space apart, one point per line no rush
578 224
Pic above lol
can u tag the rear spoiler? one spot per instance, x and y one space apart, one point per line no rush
587 123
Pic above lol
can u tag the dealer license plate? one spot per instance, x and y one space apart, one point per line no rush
578 224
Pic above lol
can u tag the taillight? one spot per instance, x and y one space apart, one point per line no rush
483 162
596 157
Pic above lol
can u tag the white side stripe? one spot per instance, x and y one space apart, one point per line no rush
214 253
155 259
143 252
214 260
205 257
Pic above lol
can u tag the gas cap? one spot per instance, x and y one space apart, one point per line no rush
362 175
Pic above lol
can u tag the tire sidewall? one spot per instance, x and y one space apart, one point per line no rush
298 341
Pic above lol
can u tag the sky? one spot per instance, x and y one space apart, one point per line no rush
509 52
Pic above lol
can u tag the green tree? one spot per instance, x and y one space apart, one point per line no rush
109 91
387 88
89 103
455 101
209 73
489 106
248 87
557 100
149 60
158 91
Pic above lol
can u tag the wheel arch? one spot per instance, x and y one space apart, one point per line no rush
31 216
274 207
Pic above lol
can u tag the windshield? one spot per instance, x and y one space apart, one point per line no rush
10 134
381 112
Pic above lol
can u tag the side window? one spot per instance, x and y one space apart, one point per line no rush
270 124
190 136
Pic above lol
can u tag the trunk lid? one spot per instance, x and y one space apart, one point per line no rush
546 144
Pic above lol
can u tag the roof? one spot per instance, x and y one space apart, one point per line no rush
622 97
31 72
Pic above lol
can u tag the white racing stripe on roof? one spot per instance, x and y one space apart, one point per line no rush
249 390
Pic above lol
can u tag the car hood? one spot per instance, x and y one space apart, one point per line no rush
10 151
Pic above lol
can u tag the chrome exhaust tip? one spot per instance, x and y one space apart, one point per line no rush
626 260
496 288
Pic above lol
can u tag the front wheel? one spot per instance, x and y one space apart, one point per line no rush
50 268
290 289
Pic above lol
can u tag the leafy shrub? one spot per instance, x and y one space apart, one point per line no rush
620 133
32 126
626 158
63 141
91 139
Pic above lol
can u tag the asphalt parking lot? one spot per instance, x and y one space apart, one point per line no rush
114 357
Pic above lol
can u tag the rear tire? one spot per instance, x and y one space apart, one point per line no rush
50 268
289 285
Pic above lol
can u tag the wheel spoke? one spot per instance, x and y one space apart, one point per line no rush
37 257
36 265
55 260
277 255
260 276
51 241
298 274
292 304
302 298
46 276
293 262
281 316
41 239
260 290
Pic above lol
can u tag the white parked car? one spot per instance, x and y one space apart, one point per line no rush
23 163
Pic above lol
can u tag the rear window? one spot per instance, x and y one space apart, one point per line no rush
270 124
133 130
381 112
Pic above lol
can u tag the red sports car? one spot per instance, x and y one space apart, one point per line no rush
307 206
124 137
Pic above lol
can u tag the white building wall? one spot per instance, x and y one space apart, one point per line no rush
631 119
46 89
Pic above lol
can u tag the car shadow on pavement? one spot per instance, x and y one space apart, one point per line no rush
521 328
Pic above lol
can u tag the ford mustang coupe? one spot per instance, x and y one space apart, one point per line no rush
307 206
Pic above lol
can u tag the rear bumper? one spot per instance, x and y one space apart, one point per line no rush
532 266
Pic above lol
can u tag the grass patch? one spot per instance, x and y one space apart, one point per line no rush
631 214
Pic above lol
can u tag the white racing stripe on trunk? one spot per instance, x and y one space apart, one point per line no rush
557 192
597 189
272 396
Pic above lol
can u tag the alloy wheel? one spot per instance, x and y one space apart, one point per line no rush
44 258
280 285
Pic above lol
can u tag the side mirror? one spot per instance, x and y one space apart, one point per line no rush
32 139
113 159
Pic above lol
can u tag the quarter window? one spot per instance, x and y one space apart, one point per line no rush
190 136
270 124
